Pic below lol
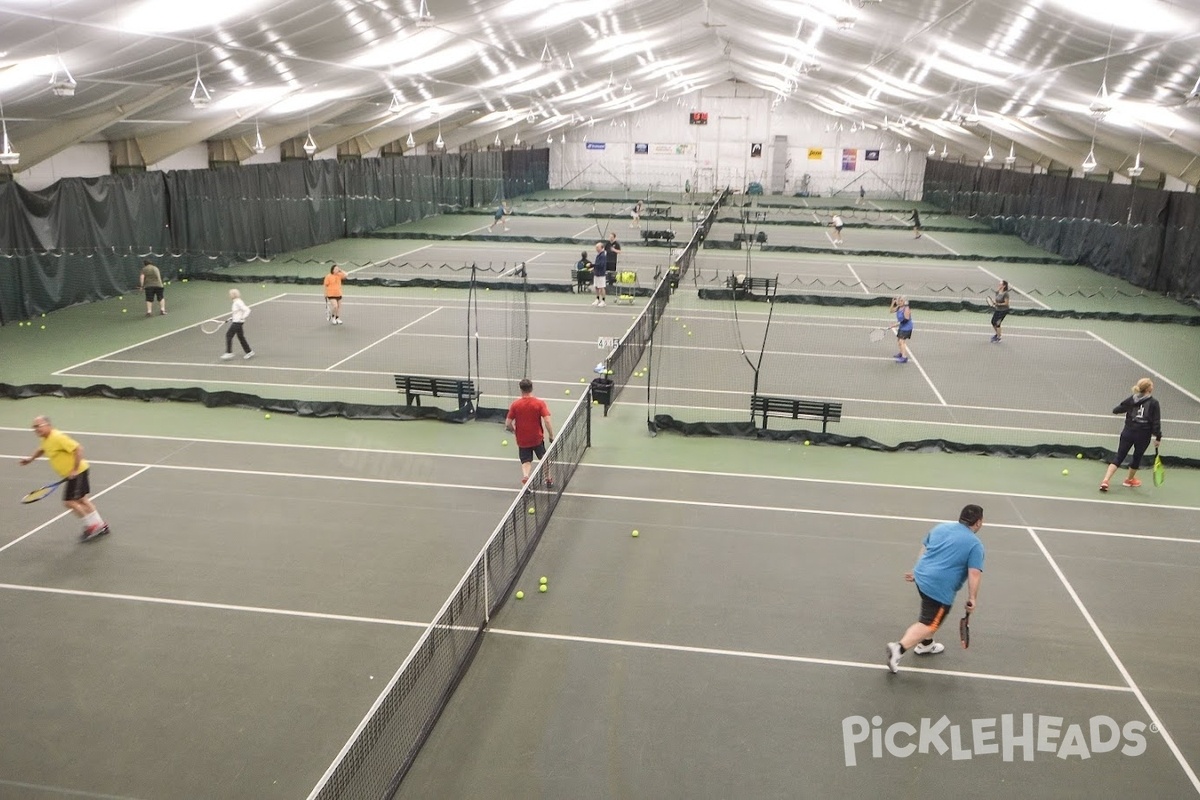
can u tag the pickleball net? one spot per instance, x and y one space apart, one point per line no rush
384 745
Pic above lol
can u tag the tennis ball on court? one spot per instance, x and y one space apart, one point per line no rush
185 280
568 391
608 372
634 534
504 443
1066 472
583 380
43 327
532 510
807 442
1079 455
543 580
266 416
43 316
595 402
124 310
689 333
685 325
121 297
543 588
520 595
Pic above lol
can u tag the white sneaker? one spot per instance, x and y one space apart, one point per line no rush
931 649
249 355
596 302
602 303
226 356
893 657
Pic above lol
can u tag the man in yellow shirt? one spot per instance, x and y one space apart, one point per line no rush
333 294
66 458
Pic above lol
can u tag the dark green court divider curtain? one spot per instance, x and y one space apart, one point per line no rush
325 195
216 211
81 239
368 186
526 171
1146 236
485 171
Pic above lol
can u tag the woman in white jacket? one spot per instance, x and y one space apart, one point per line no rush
236 322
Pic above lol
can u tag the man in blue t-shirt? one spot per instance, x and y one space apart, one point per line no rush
951 555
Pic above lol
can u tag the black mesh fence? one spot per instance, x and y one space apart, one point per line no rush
382 749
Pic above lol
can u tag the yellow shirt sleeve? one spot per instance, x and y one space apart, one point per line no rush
59 450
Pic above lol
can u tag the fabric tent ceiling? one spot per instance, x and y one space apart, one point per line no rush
958 74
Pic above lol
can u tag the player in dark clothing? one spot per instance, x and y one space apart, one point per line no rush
1143 418
916 223
613 248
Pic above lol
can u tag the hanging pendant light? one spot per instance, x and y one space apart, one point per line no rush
1089 162
258 147
8 156
932 150
1011 158
410 141
310 145
397 105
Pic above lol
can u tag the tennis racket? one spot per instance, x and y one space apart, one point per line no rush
45 491
964 630
1160 472
877 334
991 301
211 326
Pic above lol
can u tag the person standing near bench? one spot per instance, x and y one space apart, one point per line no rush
600 274
236 322
529 418
151 282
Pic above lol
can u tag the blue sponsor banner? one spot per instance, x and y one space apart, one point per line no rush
595 145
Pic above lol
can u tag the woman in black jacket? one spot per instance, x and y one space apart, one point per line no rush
1143 418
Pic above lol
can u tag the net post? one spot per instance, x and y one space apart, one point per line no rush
587 410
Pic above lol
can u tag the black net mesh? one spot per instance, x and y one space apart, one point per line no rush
384 745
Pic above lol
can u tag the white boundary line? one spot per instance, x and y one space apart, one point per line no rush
396 332
624 467
1016 289
370 264
913 357
156 338
930 237
52 520
825 662
171 601
1152 371
861 285
1112 654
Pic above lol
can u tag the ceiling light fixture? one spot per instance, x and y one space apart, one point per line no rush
549 139
258 147
1011 158
200 96
424 18
1136 170
945 150
439 142
397 104
1102 105
310 145
546 58
1089 162
989 155
498 143
410 141
64 85
8 156
932 151
516 138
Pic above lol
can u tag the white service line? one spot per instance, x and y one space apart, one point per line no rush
861 285
825 662
52 520
1016 289
1155 373
1112 654
370 264
383 339
939 244
913 358
170 601
154 339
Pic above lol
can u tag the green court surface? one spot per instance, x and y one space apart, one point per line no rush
267 577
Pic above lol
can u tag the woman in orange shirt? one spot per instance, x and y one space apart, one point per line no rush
333 294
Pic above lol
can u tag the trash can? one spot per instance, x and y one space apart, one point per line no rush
602 392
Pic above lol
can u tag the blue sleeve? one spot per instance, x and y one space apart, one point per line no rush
975 559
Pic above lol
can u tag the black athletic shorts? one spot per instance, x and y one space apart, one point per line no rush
154 293
933 613
527 453
78 487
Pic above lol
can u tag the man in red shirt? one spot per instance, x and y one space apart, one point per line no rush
526 418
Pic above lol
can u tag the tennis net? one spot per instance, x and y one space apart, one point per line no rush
382 749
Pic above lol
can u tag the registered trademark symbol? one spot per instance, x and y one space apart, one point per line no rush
1153 728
